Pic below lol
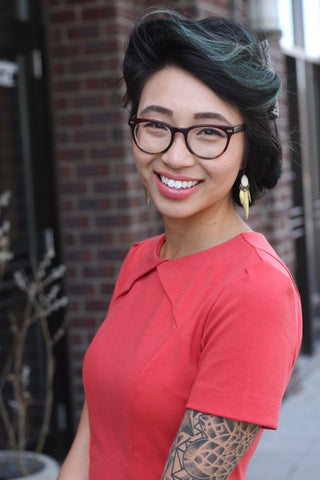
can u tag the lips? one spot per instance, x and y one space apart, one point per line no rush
176 187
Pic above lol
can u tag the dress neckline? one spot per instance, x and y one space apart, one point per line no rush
227 243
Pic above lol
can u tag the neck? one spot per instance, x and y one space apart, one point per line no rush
191 235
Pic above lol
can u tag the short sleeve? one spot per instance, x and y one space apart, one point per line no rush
249 345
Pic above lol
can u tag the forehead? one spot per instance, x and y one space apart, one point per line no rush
181 94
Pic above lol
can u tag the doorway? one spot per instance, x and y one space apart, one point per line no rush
27 171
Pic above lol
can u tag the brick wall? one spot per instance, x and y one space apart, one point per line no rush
102 206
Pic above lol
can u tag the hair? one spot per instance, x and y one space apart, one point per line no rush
226 57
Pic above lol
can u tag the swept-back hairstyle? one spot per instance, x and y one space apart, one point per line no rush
226 57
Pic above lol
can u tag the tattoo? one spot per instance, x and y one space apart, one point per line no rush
207 447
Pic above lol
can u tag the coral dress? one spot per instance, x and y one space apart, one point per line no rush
217 331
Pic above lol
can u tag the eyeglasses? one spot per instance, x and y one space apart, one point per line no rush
204 141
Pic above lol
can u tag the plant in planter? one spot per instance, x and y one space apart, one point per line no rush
40 287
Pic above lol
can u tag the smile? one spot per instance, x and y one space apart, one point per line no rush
178 184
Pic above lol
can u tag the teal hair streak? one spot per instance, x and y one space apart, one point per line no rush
241 61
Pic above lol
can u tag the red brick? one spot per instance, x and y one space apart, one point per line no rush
112 151
96 305
87 322
72 305
86 66
129 202
114 254
79 223
62 137
65 51
103 47
58 69
86 31
67 206
73 154
88 136
96 238
102 83
95 204
74 188
78 256
103 118
106 289
123 169
93 170
68 120
130 237
78 2
81 289
99 272
70 240
60 103
76 339
111 220
66 171
62 17
92 100
110 186
67 85
97 13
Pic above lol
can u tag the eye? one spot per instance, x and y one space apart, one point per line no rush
211 132
155 126
154 129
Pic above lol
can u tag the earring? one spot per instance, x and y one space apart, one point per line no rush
244 195
147 196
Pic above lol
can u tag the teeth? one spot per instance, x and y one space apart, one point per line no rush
178 184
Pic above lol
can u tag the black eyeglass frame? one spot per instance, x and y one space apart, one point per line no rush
228 130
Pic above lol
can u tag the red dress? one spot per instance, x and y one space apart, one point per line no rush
217 331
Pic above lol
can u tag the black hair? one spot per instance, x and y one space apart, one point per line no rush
227 58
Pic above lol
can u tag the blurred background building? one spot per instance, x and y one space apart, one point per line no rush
65 155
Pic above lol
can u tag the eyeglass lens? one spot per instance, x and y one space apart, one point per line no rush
204 141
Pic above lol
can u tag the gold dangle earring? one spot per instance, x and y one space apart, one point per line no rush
147 196
244 195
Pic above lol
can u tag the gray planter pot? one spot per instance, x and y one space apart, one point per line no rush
45 467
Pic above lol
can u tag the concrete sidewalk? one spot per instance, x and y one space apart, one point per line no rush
293 451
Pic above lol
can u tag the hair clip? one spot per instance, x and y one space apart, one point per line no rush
264 49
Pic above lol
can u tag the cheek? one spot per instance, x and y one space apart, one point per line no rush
142 160
138 156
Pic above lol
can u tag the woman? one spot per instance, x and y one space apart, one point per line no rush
204 326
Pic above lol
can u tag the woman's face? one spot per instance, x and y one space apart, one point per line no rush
180 183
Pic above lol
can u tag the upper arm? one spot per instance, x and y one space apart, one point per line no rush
207 446
76 465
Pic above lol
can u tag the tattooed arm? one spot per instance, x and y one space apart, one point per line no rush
208 447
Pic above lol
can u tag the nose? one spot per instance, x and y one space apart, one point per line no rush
178 155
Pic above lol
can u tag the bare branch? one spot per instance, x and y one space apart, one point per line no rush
42 289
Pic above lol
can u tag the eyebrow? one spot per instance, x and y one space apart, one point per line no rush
156 109
211 116
196 116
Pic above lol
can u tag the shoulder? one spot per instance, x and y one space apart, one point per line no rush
144 251
247 264
259 289
141 258
263 269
